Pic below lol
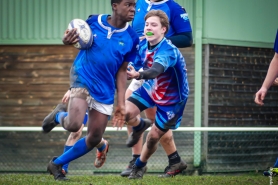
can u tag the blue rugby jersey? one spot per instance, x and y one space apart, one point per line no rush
95 68
276 43
171 86
178 18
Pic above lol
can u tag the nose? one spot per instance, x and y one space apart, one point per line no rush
132 8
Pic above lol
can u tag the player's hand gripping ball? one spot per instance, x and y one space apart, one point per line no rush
85 34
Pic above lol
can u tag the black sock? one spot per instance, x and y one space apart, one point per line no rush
174 158
135 156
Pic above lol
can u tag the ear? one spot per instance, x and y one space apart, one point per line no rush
164 29
114 6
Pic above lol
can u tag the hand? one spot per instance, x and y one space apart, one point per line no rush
260 96
142 37
70 37
131 73
66 97
275 81
119 117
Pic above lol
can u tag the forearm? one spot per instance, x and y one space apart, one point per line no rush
151 73
272 72
182 40
121 86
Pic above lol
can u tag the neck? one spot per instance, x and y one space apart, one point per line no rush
154 43
116 22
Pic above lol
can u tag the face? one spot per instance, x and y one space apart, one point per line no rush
154 26
125 10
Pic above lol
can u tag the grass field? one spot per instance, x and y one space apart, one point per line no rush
43 179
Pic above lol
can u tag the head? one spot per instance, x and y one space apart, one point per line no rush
123 9
157 22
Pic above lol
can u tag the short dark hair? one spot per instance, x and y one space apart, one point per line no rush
115 1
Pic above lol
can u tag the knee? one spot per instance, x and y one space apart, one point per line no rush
128 116
152 141
166 138
73 127
75 135
94 139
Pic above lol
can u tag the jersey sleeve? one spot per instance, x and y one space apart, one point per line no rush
179 18
166 58
91 19
276 43
131 55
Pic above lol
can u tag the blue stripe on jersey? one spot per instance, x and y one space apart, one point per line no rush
95 68
276 43
178 18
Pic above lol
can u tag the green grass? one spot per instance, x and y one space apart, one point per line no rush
43 179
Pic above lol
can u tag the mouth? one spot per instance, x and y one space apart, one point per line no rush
149 33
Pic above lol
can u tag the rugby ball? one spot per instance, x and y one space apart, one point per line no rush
85 34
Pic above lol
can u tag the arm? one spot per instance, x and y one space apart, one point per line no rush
119 115
270 77
182 40
151 73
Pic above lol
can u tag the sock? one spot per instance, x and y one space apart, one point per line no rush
140 126
276 164
65 166
79 149
139 163
135 156
85 118
174 158
60 116
100 149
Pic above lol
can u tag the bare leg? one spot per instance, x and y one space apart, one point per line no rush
76 111
168 143
151 143
74 136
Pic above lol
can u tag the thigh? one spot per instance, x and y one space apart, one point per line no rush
97 123
77 106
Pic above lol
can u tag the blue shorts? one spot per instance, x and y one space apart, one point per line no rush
167 117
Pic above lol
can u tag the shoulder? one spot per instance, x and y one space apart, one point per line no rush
177 8
134 36
92 18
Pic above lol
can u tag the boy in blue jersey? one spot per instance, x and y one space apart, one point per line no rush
272 73
165 86
94 75
180 34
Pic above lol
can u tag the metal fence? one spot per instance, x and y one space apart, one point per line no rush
230 149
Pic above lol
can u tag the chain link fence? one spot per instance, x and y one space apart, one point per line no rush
26 151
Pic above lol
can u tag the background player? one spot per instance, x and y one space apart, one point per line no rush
165 87
180 34
272 73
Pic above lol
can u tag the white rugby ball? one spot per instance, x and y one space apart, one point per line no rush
85 33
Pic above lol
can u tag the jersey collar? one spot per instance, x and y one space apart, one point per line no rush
102 21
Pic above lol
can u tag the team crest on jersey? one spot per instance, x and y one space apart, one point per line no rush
184 16
121 43
138 10
170 114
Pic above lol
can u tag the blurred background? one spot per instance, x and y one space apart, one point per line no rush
233 46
